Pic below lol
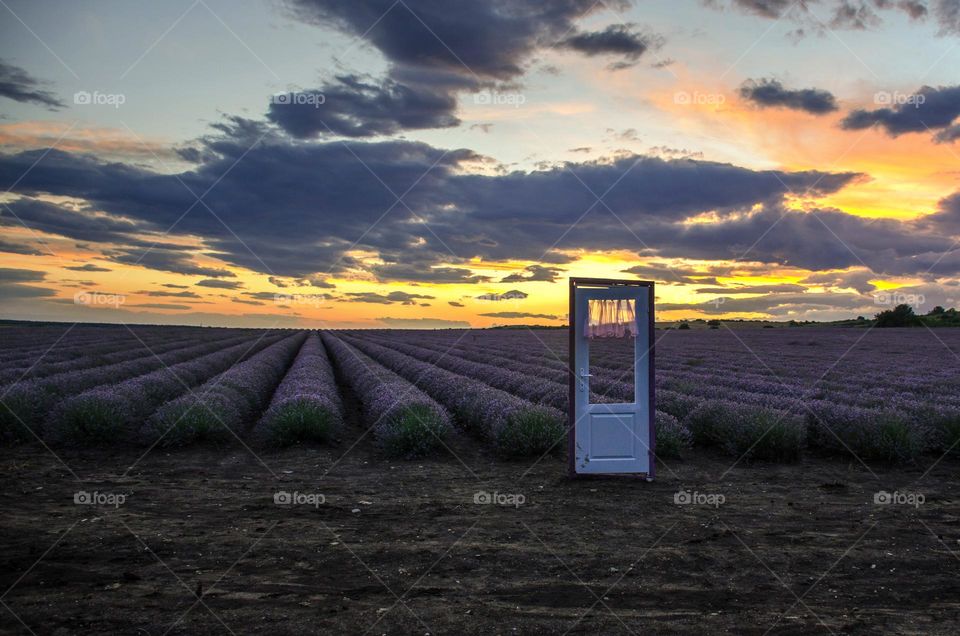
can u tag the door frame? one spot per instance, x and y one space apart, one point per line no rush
572 366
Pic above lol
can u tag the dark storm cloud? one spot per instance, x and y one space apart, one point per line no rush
50 218
219 284
168 294
771 93
19 248
814 17
353 107
295 210
946 219
434 52
20 86
490 39
618 39
164 261
11 286
403 298
858 279
535 273
670 275
400 272
15 275
89 267
929 109
752 289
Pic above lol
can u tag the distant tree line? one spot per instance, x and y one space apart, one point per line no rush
905 316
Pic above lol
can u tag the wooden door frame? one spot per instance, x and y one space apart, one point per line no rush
572 365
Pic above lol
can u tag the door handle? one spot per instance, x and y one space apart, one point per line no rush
583 377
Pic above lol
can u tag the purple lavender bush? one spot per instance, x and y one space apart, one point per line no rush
870 434
27 404
306 405
513 425
406 422
673 438
751 432
221 407
113 413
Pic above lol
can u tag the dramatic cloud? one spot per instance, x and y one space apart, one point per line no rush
166 261
450 215
929 109
817 17
752 289
403 298
422 272
435 51
518 314
771 93
89 267
670 275
168 294
19 248
18 85
219 284
857 279
454 303
353 107
536 273
12 287
618 39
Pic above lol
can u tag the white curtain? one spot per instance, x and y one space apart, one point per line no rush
611 319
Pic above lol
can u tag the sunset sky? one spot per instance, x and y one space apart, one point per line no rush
404 163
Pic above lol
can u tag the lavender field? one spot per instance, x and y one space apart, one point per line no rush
886 395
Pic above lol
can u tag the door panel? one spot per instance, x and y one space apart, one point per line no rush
612 432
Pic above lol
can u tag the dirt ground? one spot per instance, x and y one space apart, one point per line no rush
199 545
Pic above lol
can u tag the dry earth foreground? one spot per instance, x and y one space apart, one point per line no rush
197 480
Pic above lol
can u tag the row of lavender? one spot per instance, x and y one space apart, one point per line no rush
278 388
748 409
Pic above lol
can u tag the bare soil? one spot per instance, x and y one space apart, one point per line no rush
199 545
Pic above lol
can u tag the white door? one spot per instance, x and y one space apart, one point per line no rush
613 438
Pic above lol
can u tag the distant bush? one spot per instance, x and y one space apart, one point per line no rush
683 325
749 431
673 438
871 434
899 316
